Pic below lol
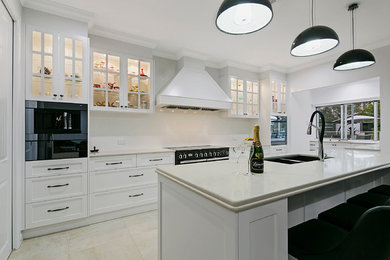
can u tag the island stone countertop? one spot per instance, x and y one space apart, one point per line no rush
219 182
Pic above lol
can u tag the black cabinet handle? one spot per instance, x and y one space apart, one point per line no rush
58 168
136 195
155 160
55 210
54 95
125 106
57 186
114 163
136 175
121 106
61 96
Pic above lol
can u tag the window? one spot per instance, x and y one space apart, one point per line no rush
353 121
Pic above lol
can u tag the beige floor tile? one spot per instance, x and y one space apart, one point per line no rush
130 238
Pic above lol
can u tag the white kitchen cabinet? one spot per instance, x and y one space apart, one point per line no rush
124 181
56 66
278 149
245 97
121 83
56 191
55 211
278 97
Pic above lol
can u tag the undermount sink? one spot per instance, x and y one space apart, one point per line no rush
293 159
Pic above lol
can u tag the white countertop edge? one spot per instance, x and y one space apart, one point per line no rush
258 201
129 152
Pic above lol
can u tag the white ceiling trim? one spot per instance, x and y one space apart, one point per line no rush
59 9
121 36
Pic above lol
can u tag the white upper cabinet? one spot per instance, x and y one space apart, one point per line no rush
121 83
245 97
56 66
278 97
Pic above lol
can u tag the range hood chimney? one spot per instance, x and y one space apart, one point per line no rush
193 88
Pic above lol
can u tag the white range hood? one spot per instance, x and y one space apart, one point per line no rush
193 87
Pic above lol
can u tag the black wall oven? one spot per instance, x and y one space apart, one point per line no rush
56 130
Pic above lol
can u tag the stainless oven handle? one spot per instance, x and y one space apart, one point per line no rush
192 161
58 168
218 159
57 186
55 210
136 195
114 163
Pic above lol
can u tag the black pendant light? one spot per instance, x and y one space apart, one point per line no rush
243 16
355 58
314 40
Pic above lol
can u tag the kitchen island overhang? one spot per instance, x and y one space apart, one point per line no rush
252 208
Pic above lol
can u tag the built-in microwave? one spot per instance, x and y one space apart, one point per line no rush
278 130
56 130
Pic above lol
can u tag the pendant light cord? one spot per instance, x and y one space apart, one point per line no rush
353 29
312 13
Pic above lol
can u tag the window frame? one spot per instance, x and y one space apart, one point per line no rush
344 118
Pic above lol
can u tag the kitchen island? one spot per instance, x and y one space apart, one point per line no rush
209 212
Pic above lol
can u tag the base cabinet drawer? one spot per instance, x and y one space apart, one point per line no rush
113 163
153 159
126 178
117 200
52 212
279 149
58 187
56 167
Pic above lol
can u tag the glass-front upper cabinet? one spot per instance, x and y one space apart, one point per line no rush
278 97
245 98
55 66
120 83
106 80
74 68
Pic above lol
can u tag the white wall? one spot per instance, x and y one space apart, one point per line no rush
300 101
114 130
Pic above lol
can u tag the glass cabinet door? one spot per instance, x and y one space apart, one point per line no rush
245 97
73 68
106 80
42 68
138 84
275 97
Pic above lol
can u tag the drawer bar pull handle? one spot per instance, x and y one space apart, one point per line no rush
57 186
136 195
58 168
55 210
114 163
136 175
155 160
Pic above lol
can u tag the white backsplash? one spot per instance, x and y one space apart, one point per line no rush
120 131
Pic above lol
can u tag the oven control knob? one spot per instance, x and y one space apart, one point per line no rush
210 154
214 154
227 153
196 155
200 155
180 156
184 156
205 154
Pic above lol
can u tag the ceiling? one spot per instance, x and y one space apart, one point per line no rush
174 26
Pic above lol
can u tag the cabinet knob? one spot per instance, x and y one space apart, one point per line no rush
125 106
54 95
122 106
61 96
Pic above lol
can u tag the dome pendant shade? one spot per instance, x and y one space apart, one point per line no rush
243 16
354 59
314 40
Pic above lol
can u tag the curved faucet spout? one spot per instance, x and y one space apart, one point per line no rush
321 132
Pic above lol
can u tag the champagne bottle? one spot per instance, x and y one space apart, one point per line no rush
256 159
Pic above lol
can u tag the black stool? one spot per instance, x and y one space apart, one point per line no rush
344 215
369 200
319 240
382 189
